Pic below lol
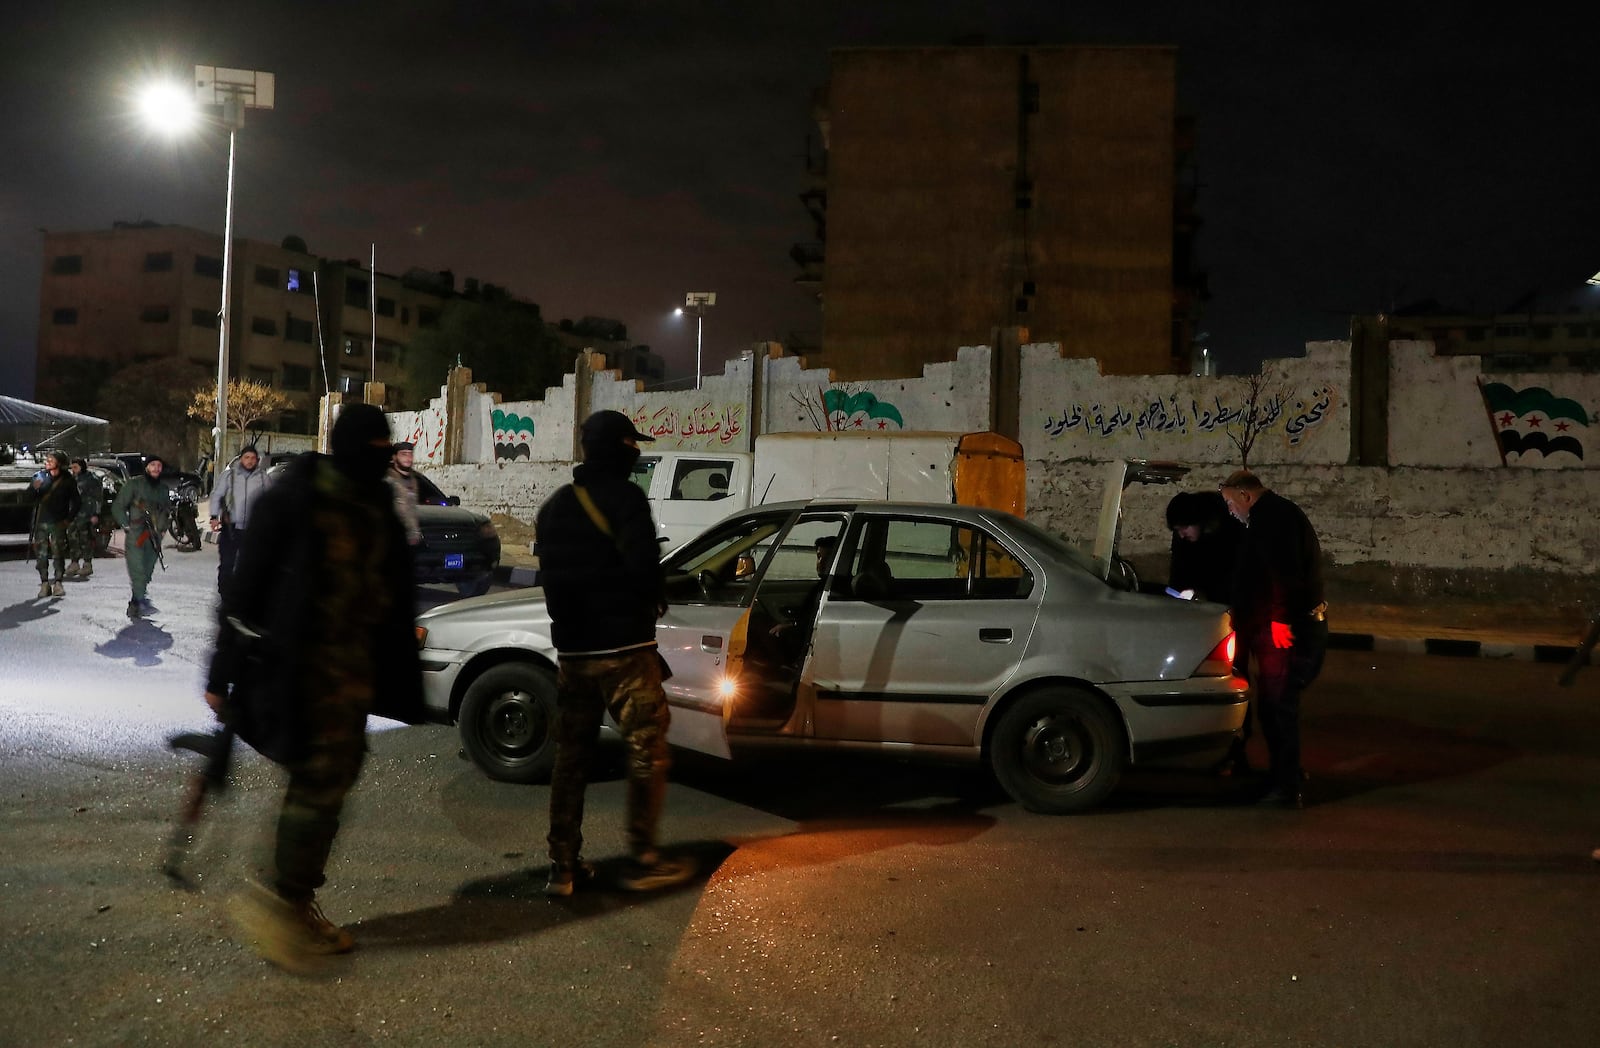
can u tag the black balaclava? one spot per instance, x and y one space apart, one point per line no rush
604 450
354 452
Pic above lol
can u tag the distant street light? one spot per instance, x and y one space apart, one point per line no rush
1593 281
166 108
697 302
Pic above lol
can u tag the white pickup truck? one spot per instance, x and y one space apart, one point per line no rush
692 490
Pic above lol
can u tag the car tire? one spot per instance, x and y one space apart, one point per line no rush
507 722
1057 751
475 587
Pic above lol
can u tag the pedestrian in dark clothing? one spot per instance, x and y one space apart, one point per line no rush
1280 616
233 502
1205 544
316 631
85 528
600 566
55 495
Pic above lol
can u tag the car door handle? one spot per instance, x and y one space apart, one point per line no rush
711 643
994 635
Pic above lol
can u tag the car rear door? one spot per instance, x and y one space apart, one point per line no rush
933 621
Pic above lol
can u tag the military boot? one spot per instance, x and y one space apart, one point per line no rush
57 589
44 587
88 569
71 572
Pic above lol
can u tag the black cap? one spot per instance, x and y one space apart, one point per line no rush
405 445
609 427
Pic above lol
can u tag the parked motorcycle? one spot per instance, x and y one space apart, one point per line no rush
184 493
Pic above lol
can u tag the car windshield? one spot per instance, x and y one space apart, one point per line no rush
1055 544
644 471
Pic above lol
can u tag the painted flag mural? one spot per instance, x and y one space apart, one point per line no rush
1534 421
513 435
859 411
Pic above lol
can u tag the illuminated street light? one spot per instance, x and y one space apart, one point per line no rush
697 302
1593 281
164 107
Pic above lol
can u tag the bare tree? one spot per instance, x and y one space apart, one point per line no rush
249 402
1258 413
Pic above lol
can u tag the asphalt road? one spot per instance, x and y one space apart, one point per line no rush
1438 892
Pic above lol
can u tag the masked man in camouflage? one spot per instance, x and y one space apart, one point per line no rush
600 566
317 630
85 529
141 508
56 496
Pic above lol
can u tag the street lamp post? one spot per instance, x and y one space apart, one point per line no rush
697 302
235 90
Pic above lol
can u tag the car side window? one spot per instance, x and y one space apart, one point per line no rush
428 493
922 559
700 480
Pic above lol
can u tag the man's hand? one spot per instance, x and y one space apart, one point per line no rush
1282 635
215 702
216 525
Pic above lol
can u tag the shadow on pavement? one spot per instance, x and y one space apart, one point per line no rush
142 641
27 611
512 904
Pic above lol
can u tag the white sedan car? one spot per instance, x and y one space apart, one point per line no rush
925 630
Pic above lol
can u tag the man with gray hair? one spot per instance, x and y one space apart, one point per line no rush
1281 619
231 503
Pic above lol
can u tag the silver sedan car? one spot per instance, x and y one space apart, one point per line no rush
935 631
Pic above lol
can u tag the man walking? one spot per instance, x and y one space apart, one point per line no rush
232 500
403 482
601 570
316 632
85 529
141 508
1280 616
55 494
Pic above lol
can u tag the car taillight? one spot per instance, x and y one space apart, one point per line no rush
1220 662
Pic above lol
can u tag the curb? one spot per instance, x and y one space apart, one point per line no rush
1453 647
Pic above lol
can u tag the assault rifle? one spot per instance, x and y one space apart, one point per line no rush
211 780
1580 657
152 535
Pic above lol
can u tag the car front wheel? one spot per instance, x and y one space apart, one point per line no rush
507 722
1057 751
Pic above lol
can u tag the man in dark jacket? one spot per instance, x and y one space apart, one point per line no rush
316 631
600 567
1205 544
56 495
1280 616
141 508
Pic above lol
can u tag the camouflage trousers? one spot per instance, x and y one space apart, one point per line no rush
629 687
336 714
80 540
50 540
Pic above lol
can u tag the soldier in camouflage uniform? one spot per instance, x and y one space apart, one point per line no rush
600 567
316 632
56 496
141 509
85 528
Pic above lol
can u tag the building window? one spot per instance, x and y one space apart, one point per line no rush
385 307
293 283
206 318
355 288
1541 331
1510 331
405 314
1577 331
428 318
158 262
1475 334
207 266
66 265
353 345
263 326
296 378
297 330
155 315
1022 305
67 315
292 421
261 375
267 276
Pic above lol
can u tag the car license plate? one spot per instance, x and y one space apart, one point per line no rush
455 561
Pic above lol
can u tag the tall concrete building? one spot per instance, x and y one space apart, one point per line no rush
144 291
966 190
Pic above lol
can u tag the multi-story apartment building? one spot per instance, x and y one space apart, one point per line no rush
1555 336
968 189
147 291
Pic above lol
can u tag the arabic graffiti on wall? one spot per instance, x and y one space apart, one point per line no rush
1534 421
513 436
426 436
707 425
1172 416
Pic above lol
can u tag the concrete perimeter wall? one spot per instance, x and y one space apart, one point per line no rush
1489 479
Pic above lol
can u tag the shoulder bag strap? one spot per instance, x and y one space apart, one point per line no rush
599 519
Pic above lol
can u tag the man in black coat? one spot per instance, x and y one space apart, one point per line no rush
1205 544
600 567
56 495
1280 616
317 631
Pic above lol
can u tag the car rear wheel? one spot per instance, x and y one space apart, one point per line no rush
1057 751
507 722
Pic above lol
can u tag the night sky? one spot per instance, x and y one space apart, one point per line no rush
603 157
